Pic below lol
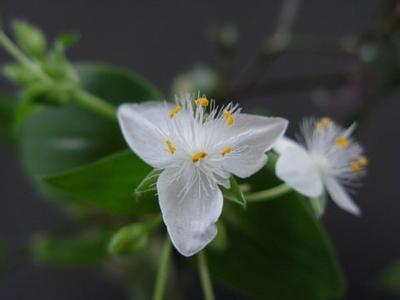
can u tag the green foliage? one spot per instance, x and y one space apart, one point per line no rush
30 38
233 193
390 279
7 112
108 183
132 238
276 250
55 139
88 247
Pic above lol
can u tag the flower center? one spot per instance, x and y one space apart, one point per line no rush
170 146
363 160
324 122
229 118
355 166
226 150
174 112
198 156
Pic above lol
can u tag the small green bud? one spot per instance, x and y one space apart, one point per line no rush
18 74
30 38
132 238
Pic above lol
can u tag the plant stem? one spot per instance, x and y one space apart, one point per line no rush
269 194
162 270
205 277
96 104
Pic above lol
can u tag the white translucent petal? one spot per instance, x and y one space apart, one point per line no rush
283 143
251 137
190 205
340 196
144 127
295 167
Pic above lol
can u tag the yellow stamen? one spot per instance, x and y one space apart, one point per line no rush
229 118
363 160
324 122
226 150
355 166
201 101
198 156
342 142
174 111
170 146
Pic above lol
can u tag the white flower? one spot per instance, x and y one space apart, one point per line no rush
198 146
328 158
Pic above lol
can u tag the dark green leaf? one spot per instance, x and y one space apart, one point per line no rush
233 193
56 139
7 115
85 248
108 183
67 40
276 250
390 279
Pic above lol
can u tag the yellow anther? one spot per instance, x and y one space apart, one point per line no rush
342 142
198 156
355 166
226 150
229 118
326 121
201 101
170 146
363 160
174 111
323 123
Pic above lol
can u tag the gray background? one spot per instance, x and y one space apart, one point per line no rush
160 39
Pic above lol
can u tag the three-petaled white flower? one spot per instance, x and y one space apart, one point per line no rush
328 157
198 146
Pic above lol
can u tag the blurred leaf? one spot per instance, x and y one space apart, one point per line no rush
7 115
55 139
30 38
276 250
390 280
85 248
108 183
233 193
132 238
67 40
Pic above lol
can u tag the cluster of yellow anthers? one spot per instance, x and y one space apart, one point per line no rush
202 101
342 142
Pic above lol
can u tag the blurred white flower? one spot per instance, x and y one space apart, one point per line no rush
327 158
198 146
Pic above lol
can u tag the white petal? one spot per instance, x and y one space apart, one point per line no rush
283 143
295 167
252 136
144 128
340 196
190 205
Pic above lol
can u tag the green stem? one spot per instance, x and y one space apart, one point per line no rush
162 270
205 276
269 194
19 56
96 104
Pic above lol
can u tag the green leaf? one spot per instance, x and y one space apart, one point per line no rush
85 248
276 250
148 185
390 279
55 139
30 38
233 193
108 183
7 115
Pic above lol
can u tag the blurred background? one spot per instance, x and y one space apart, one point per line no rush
162 39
